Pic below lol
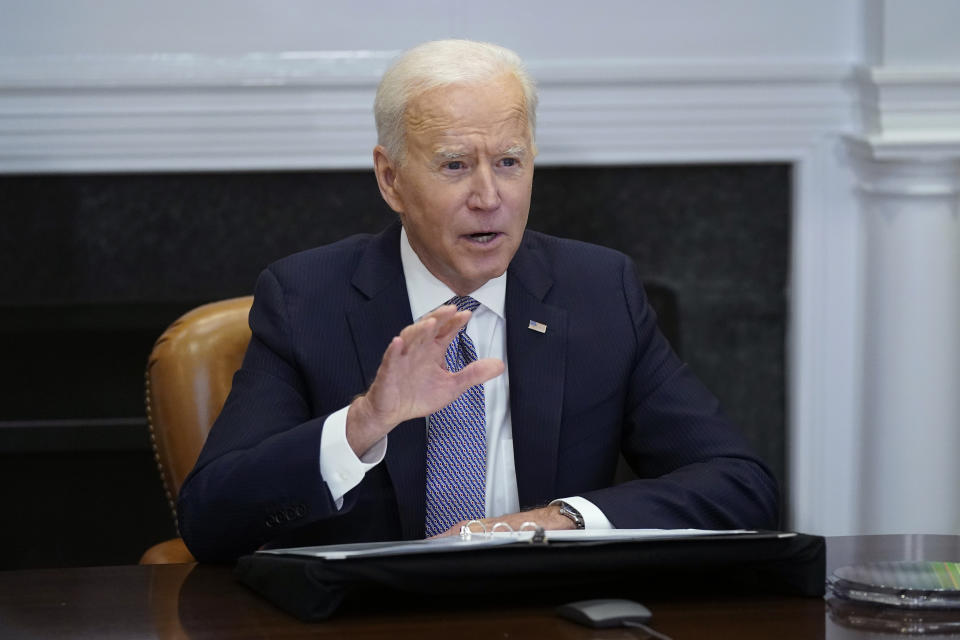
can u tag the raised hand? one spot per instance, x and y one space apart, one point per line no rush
413 380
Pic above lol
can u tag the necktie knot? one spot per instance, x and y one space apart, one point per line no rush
464 303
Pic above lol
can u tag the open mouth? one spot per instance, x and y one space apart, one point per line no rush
483 237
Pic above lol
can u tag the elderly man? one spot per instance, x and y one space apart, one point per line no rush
457 366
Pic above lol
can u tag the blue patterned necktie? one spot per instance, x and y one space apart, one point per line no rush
457 444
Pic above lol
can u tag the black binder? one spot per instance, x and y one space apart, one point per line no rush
313 588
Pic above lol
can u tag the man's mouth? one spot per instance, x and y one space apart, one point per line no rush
483 238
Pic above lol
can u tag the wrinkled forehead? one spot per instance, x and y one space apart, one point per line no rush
494 108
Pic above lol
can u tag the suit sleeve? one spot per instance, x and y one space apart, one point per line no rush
695 469
258 475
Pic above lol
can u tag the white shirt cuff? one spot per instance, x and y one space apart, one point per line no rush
340 467
593 518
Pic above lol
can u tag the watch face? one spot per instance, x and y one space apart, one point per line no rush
573 514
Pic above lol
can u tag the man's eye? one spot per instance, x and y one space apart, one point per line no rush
509 162
455 165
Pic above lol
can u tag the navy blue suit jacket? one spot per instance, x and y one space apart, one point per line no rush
600 380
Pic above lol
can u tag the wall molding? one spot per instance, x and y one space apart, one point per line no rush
179 70
916 170
910 112
313 110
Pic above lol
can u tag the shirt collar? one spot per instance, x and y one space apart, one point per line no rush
426 292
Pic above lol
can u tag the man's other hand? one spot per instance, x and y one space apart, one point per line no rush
548 517
413 381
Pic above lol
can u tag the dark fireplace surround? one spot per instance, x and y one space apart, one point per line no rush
95 266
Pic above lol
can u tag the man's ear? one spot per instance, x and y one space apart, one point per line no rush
386 171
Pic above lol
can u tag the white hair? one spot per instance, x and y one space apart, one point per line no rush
438 64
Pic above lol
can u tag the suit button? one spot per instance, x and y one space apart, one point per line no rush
301 510
289 513
270 521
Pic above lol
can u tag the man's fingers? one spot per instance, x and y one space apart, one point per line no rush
418 333
442 313
479 372
394 350
447 329
433 326
455 529
439 326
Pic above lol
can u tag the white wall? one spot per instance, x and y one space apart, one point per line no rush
920 32
812 30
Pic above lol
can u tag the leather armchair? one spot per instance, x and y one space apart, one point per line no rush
189 374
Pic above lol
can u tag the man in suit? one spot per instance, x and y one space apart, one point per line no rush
457 366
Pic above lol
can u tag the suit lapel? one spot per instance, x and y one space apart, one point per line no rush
537 371
373 323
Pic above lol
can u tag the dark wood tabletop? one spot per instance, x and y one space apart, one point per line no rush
201 601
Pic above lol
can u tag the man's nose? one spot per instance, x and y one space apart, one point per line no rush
484 192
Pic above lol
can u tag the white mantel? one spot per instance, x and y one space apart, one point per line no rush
114 86
94 85
314 110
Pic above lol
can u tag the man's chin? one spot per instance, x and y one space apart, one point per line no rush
476 278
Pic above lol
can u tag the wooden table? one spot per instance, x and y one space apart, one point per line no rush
198 601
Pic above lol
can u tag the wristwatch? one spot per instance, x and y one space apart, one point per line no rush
567 511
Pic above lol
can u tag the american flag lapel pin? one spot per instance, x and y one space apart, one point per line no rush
539 327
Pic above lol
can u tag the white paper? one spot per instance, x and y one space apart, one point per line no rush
585 535
499 538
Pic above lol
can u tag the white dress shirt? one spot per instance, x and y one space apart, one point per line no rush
343 470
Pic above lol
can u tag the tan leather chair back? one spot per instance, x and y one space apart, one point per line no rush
189 375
